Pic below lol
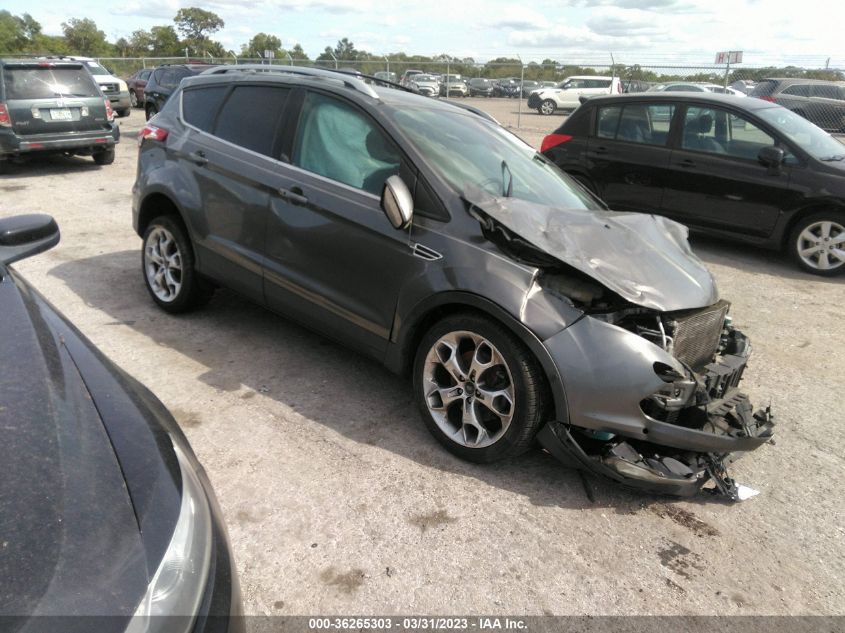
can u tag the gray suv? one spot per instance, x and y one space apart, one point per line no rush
820 102
425 235
53 107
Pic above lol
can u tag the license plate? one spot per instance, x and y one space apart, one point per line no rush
61 114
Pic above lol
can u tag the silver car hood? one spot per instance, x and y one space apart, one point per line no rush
645 259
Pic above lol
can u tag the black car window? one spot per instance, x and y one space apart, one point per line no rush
826 91
47 83
200 105
250 116
607 121
337 141
797 90
717 131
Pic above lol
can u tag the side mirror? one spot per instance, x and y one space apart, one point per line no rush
771 157
22 236
397 202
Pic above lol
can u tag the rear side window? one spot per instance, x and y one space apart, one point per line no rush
637 123
250 116
607 120
826 91
200 105
597 83
47 83
798 90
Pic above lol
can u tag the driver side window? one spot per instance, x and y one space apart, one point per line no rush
337 141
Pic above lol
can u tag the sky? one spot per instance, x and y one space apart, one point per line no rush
634 31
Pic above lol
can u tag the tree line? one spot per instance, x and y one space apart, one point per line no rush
191 33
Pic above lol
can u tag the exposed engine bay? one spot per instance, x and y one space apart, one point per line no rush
695 423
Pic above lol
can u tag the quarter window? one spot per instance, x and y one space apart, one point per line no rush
717 131
250 116
199 105
337 141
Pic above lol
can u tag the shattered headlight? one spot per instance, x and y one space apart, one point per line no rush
177 586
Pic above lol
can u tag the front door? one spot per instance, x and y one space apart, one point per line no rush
334 261
716 180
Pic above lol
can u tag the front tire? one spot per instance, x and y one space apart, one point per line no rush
817 243
547 107
480 391
133 99
167 263
104 157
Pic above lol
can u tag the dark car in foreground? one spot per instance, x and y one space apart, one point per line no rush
163 82
430 238
109 522
53 107
820 102
743 169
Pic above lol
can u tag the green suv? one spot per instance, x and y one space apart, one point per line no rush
54 107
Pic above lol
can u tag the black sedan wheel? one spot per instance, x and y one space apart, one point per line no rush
480 391
817 243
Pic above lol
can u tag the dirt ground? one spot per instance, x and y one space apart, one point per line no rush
338 501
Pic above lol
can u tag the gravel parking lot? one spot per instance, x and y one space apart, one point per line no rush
339 501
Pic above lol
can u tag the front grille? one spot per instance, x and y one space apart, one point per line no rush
109 88
696 334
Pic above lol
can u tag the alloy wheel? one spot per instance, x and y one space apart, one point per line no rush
821 245
547 107
163 264
468 389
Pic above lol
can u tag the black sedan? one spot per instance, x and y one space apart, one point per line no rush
742 169
108 521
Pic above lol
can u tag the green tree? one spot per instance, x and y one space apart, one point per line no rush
83 37
260 43
197 24
345 50
164 42
18 34
297 54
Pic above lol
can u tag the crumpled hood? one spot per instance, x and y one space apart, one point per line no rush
645 259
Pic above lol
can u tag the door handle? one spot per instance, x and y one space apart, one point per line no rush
293 195
601 149
198 157
687 163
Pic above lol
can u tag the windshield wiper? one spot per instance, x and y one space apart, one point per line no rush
507 177
835 157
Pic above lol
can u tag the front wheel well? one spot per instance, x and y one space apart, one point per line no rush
154 205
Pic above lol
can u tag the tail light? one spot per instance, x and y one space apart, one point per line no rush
109 111
553 140
767 98
5 119
152 133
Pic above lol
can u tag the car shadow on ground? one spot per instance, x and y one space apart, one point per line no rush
250 350
762 261
50 165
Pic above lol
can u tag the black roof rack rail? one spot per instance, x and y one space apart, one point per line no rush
350 80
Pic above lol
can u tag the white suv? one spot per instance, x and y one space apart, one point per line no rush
566 95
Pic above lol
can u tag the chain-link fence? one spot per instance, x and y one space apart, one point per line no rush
817 94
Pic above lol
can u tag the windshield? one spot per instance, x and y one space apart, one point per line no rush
467 150
46 83
813 140
96 69
423 78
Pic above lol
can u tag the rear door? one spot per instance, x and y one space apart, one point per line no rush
47 98
629 155
334 261
716 180
233 157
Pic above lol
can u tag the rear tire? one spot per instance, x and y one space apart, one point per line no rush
104 157
151 111
123 113
167 264
480 391
547 108
133 99
817 243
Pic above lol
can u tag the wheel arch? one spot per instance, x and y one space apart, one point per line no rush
155 204
407 337
803 212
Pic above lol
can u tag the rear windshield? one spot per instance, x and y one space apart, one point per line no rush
46 83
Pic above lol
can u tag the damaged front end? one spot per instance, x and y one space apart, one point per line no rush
651 369
688 428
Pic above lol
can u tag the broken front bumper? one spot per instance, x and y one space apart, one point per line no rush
616 388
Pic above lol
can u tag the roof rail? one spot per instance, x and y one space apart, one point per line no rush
345 78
